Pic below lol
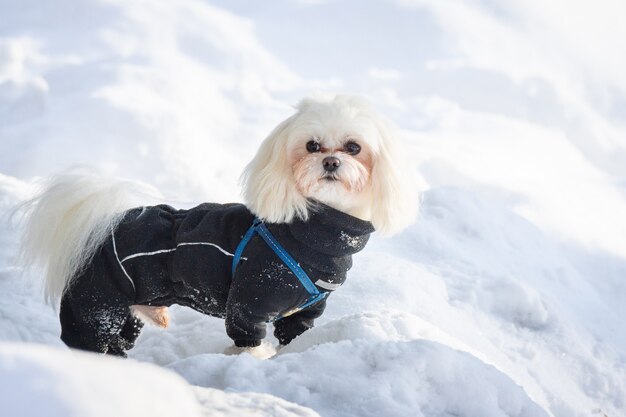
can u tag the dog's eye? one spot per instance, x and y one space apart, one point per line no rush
352 148
313 146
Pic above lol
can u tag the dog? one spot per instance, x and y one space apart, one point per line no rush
321 182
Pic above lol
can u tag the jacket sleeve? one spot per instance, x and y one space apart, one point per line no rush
290 327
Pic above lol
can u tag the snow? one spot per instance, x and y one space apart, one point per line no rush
41 381
374 376
37 380
505 298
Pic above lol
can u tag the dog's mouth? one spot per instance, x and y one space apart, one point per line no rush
330 178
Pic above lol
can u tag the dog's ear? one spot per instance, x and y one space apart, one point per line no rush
269 188
394 191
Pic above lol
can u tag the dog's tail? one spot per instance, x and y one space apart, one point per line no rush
68 221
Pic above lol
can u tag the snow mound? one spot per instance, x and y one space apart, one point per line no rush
71 384
373 326
367 326
74 384
248 404
367 376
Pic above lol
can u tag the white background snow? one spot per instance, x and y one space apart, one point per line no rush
505 298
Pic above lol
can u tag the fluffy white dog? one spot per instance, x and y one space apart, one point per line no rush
321 182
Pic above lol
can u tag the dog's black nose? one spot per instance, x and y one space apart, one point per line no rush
331 163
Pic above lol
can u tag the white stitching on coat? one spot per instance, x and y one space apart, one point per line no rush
156 252
120 262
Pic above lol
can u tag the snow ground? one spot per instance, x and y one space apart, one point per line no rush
505 298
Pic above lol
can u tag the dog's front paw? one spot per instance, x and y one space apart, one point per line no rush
263 351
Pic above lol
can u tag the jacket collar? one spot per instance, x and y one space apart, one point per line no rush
331 232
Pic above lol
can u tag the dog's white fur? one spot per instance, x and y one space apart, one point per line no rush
68 221
75 213
388 198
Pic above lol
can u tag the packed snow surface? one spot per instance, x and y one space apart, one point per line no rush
506 297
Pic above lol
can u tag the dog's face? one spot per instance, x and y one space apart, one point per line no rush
333 166
337 151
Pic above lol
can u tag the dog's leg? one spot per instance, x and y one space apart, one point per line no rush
70 334
125 340
95 311
93 327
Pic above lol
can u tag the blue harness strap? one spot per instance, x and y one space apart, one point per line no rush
242 245
259 227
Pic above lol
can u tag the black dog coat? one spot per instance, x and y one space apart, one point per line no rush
160 256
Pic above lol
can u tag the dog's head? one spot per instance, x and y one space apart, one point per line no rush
338 151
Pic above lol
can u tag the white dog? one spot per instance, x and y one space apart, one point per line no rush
322 181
